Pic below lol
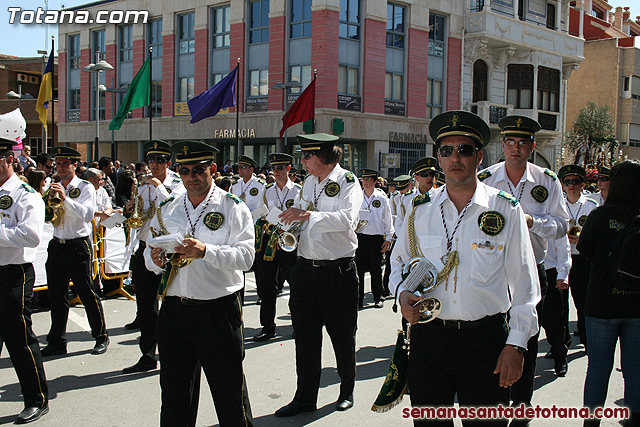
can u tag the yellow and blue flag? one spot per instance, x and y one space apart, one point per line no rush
46 91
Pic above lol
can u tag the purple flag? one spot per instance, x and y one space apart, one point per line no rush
218 96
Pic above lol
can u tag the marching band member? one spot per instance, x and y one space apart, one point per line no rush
70 255
21 228
540 194
200 322
425 172
404 184
271 257
480 234
604 180
375 234
325 283
152 189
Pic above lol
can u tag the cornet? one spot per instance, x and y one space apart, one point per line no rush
574 231
288 240
420 275
56 204
135 220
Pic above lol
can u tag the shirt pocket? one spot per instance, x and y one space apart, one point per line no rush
214 237
433 248
487 259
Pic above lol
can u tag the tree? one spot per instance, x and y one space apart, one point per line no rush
591 135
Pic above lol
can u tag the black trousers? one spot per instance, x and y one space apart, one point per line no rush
369 258
16 294
555 315
146 283
522 390
444 362
578 282
71 261
268 282
324 296
387 270
209 335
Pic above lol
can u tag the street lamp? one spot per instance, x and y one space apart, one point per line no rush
284 86
19 96
99 66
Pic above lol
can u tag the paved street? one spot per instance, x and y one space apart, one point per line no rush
87 390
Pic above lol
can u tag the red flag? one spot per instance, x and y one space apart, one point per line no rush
301 110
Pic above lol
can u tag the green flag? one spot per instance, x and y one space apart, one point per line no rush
138 95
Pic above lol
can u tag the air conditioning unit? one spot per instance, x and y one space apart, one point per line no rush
22 77
34 79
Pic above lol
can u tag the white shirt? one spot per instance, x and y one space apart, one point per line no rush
597 197
550 217
229 248
21 222
492 278
103 201
79 209
559 257
171 186
283 199
380 220
329 234
402 211
253 191
578 213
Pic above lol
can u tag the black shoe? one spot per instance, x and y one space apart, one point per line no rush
143 365
133 325
549 355
101 345
294 408
53 350
31 413
561 367
344 404
379 304
360 306
266 334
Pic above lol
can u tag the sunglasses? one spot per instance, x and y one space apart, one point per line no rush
279 168
243 167
574 181
427 174
513 142
198 170
157 159
464 150
603 178
308 154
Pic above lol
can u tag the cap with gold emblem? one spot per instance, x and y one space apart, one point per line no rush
519 126
293 171
157 147
316 141
247 161
64 153
460 123
440 179
604 172
191 151
369 173
6 145
280 159
424 164
569 170
402 181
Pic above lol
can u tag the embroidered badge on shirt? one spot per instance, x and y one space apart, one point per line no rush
6 201
491 222
213 220
375 203
74 193
289 203
582 220
539 193
332 189
253 191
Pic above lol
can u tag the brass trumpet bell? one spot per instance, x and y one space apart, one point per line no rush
574 231
288 240
135 220
54 200
429 308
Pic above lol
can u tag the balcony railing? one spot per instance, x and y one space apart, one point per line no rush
491 113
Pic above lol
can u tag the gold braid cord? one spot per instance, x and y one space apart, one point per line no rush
167 277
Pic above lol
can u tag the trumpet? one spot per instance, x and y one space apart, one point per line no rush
55 204
420 275
135 220
361 224
288 240
574 231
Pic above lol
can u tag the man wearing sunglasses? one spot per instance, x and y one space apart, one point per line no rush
573 178
404 185
539 192
44 162
424 172
269 257
469 349
604 180
153 189
70 256
375 233
325 282
200 321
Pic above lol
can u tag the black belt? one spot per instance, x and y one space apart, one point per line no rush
67 241
326 263
190 301
468 324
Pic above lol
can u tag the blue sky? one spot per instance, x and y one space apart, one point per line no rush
26 40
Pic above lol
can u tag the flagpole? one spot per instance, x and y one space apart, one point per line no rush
237 111
53 101
315 76
150 88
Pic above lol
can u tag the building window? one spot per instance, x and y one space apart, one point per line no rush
259 80
154 40
156 98
258 21
300 74
520 85
395 25
155 37
187 33
548 89
551 16
434 98
480 78
222 27
393 86
349 19
348 78
522 6
185 88
74 99
98 45
74 52
300 25
126 43
635 87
